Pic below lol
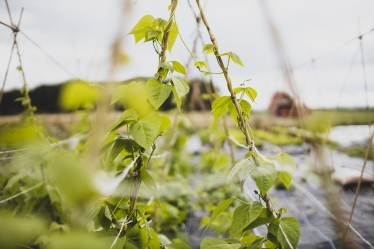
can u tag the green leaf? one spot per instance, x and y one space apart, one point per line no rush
220 106
251 93
178 100
151 35
243 216
264 217
165 123
136 237
157 92
167 66
132 96
288 233
142 27
238 90
154 242
270 245
244 106
254 242
128 117
220 102
146 129
219 209
221 111
200 64
151 185
179 67
236 59
102 216
209 243
233 112
74 95
245 163
122 144
173 33
159 23
273 231
264 177
286 167
209 48
180 245
274 226
181 87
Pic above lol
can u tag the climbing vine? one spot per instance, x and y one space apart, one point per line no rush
123 216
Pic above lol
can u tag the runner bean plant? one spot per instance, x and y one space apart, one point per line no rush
78 203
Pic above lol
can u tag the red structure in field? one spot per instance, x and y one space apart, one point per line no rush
283 105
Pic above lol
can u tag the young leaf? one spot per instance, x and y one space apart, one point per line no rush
243 216
132 96
220 102
181 87
103 218
244 106
141 28
209 48
173 33
218 210
235 58
122 144
165 123
74 94
151 185
159 23
233 113
157 92
288 233
238 90
128 117
264 217
136 238
264 177
251 93
178 100
245 163
220 106
254 242
274 226
151 35
200 64
145 130
154 242
179 67
286 167
167 66
270 245
116 149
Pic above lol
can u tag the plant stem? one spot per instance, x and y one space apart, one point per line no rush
225 73
165 40
243 124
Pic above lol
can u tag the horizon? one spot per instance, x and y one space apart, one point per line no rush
80 45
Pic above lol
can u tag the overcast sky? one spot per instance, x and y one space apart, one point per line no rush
78 34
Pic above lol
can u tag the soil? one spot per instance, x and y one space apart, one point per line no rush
321 207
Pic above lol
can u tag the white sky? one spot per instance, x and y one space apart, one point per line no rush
79 33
